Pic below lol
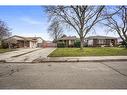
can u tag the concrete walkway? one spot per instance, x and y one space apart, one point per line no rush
86 59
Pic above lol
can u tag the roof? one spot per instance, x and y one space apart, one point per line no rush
100 37
25 38
68 38
31 38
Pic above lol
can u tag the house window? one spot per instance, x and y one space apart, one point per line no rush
101 41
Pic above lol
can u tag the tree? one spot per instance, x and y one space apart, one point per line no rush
4 30
55 30
80 18
63 36
118 22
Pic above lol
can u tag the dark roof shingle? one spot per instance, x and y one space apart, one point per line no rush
68 38
100 37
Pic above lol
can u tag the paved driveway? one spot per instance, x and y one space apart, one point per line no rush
81 75
26 55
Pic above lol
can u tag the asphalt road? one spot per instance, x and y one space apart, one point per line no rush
81 75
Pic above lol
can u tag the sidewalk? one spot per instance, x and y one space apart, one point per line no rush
65 59
85 59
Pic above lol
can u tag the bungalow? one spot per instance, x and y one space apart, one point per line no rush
100 41
68 40
24 42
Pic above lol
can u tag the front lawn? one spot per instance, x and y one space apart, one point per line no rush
6 50
106 51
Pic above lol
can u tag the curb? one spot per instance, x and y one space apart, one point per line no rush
48 61
84 60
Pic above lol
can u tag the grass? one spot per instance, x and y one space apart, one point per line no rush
73 52
6 50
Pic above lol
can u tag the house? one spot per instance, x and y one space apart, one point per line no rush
100 41
24 42
119 40
68 40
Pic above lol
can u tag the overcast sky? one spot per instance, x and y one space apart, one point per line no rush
33 21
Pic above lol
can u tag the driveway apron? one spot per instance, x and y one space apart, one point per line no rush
26 57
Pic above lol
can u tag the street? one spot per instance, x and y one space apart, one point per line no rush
64 75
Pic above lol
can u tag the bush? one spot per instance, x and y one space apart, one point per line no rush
4 45
86 45
0 46
122 45
77 44
71 46
60 45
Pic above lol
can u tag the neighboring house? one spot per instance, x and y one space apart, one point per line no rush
100 41
24 42
119 40
68 40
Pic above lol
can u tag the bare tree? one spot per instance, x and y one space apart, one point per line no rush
4 30
80 18
55 30
63 36
118 22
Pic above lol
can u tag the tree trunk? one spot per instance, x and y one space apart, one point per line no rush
126 45
81 42
9 45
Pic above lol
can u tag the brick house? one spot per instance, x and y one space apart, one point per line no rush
96 41
68 40
24 42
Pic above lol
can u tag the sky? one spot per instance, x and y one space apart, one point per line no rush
33 21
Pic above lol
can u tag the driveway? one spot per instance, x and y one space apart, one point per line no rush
80 75
26 55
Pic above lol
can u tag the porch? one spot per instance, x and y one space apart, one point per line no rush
22 44
68 43
105 42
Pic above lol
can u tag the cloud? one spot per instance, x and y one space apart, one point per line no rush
30 21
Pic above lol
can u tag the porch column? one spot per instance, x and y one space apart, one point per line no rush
24 44
30 44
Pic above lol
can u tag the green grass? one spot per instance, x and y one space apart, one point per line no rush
106 51
6 50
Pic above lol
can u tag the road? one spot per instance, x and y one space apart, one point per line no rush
78 75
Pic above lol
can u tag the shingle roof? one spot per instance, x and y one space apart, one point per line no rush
100 37
68 38
25 38
31 38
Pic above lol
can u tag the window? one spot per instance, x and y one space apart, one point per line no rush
101 41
